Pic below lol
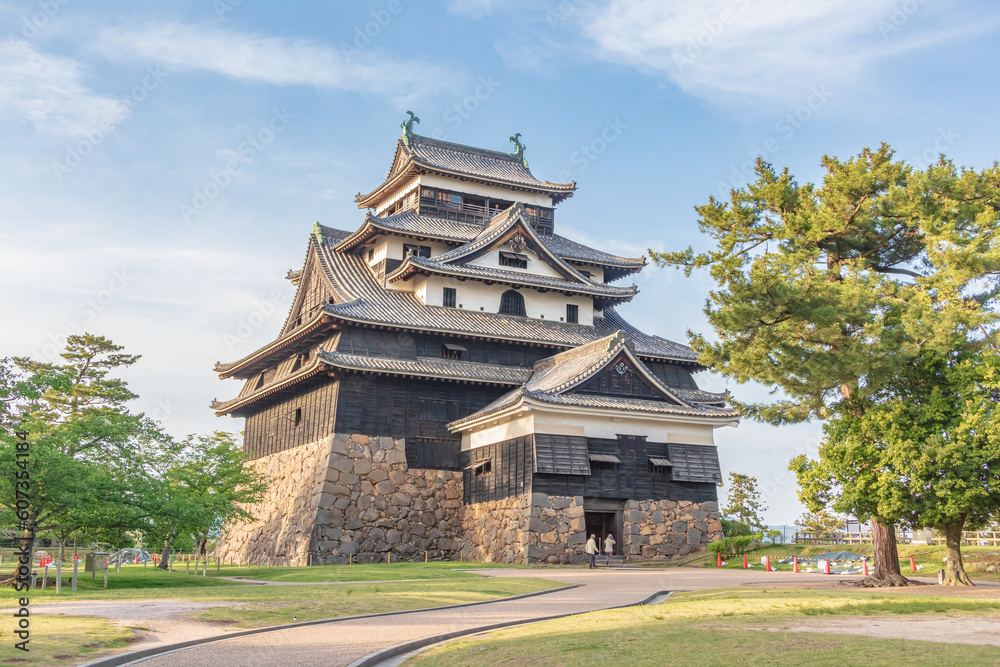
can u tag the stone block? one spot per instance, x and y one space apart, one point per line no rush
362 466
341 463
348 548
376 476
560 503
385 487
395 456
537 553
538 526
701 526
540 500
680 526
694 537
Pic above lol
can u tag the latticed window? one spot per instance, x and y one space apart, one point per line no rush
572 313
512 303
449 297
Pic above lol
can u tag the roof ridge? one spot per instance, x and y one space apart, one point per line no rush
609 343
465 148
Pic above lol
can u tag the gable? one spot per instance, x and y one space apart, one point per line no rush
621 377
313 291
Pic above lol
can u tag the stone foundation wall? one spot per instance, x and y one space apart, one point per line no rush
663 529
494 531
286 517
557 531
349 497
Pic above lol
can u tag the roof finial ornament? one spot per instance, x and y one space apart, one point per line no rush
518 153
407 126
318 232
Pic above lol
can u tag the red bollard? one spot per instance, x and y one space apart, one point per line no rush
718 560
913 564
745 561
795 564
864 566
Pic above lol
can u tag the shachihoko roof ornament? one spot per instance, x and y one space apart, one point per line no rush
407 126
519 148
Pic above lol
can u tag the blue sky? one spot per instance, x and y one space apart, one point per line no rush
163 165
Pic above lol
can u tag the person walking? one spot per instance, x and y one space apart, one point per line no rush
591 550
609 547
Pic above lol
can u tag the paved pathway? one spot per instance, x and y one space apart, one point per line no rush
339 644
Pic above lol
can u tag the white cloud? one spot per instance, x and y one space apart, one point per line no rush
476 8
49 92
275 60
767 49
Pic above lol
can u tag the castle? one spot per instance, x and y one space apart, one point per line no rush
453 381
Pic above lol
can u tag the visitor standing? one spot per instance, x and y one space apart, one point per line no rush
609 547
592 551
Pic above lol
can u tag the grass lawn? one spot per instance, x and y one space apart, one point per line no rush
273 605
717 628
930 557
136 581
65 640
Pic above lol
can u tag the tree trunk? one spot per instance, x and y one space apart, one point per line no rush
164 563
954 574
886 557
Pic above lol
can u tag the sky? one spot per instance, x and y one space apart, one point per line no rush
163 163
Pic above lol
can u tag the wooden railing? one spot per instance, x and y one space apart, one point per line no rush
974 538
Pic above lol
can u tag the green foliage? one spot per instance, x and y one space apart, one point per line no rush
822 522
735 546
732 528
744 501
825 289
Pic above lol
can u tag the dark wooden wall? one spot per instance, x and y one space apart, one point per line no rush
611 382
673 375
510 470
273 428
630 479
404 408
403 345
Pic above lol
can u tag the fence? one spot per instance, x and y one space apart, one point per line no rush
975 538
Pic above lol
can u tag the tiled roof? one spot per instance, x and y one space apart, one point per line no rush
461 160
414 265
571 250
555 376
445 369
699 396
366 301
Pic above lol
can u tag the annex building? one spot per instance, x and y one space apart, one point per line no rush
453 378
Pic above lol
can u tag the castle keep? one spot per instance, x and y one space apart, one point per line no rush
453 377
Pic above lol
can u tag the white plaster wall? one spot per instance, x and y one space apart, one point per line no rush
456 185
474 295
391 247
397 195
590 426
536 265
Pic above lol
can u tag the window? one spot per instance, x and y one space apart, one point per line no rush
297 417
659 465
482 468
416 250
572 313
513 259
585 273
603 461
512 303
455 201
371 254
452 351
449 297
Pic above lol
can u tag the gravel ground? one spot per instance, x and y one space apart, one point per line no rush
939 628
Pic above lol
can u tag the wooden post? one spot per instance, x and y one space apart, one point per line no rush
171 562
34 579
217 565
350 559
187 566
106 568
59 577
45 576
76 566
425 555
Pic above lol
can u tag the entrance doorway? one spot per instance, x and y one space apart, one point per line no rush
602 523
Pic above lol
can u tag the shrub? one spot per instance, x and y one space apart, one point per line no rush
733 528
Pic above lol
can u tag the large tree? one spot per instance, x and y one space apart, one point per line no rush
743 501
824 292
205 485
86 467
931 440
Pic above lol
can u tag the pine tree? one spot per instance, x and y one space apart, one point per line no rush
744 501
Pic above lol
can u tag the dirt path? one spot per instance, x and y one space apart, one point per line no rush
956 629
